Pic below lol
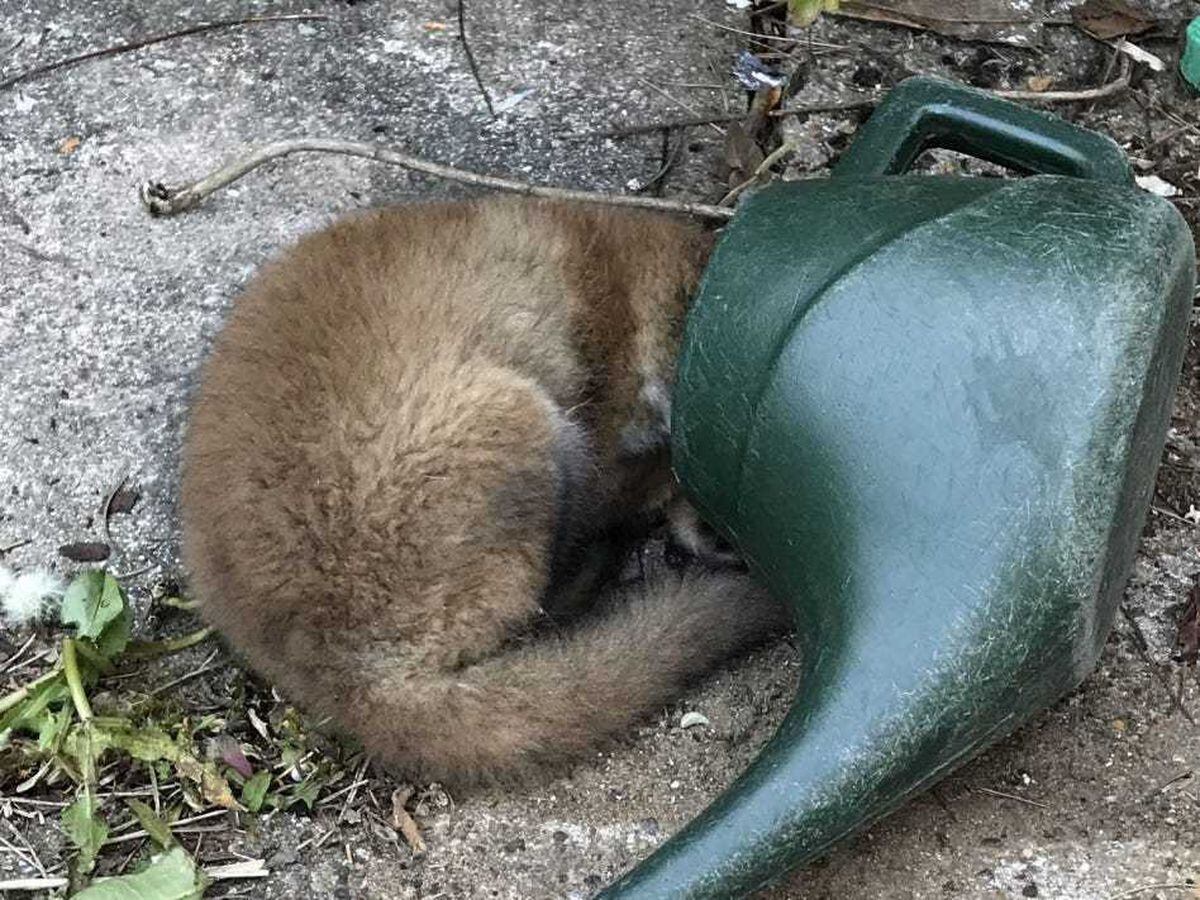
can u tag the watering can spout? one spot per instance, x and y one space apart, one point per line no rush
877 721
929 413
729 836
797 799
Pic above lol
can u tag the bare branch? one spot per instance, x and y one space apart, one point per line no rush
163 201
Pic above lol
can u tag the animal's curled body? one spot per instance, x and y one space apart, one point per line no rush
409 425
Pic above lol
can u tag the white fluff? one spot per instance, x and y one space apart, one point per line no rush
23 597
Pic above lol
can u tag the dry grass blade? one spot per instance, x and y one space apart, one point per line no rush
117 837
28 885
247 868
1006 796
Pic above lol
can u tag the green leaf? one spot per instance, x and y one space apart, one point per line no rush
115 637
172 875
53 727
158 830
27 714
147 744
91 603
803 13
305 792
289 755
81 604
254 791
85 829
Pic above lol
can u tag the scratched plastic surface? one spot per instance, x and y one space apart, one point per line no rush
929 411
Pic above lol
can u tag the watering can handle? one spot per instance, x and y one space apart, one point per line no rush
922 112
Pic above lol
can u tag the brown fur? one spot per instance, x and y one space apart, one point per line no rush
409 425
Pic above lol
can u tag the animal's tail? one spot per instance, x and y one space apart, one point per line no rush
556 699
371 534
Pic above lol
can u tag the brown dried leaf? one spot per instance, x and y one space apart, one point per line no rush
69 145
404 823
976 20
742 154
213 787
1107 19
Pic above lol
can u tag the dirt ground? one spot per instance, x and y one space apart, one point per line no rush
105 314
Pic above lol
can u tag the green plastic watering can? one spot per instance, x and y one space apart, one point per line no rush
928 410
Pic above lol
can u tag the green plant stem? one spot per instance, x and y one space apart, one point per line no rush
87 759
149 649
180 603
8 701
75 681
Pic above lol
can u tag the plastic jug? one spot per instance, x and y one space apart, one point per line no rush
929 411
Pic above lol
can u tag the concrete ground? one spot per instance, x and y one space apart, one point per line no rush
105 314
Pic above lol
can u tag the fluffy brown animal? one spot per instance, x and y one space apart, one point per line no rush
406 436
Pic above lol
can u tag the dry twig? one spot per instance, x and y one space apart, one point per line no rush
462 36
1161 886
667 96
203 669
30 852
9 548
155 39
12 660
316 841
722 118
670 159
1162 788
809 40
182 826
1015 797
163 201
1118 84
352 791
